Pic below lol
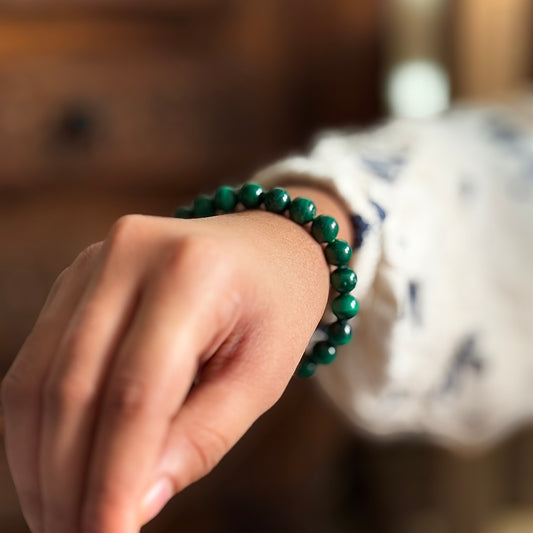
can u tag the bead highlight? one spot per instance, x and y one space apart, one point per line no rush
343 279
302 211
324 228
276 200
345 306
338 253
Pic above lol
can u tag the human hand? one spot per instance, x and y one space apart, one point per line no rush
98 402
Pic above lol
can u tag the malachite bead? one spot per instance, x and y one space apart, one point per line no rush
251 195
276 200
183 212
343 279
339 333
324 352
225 199
338 253
324 228
306 368
203 206
344 306
302 210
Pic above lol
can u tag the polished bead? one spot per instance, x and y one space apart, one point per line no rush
302 210
276 200
251 195
183 212
306 368
324 352
344 306
324 228
338 252
225 199
339 333
343 279
203 206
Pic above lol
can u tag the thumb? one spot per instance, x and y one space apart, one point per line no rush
214 417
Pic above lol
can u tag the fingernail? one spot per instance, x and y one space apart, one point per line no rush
156 498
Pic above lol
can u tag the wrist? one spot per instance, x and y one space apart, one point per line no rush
288 260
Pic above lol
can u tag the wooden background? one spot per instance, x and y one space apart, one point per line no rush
111 106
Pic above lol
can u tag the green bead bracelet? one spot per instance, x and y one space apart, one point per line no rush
324 230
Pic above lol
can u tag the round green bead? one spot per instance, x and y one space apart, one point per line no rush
344 306
183 212
203 206
251 195
343 279
302 210
306 368
225 199
276 200
324 228
338 252
324 352
339 333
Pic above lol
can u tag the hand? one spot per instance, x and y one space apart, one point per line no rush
100 404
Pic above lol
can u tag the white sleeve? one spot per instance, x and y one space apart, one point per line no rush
443 342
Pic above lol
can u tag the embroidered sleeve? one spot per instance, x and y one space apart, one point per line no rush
443 343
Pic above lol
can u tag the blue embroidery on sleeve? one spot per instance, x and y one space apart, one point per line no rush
381 212
360 228
386 168
502 131
465 357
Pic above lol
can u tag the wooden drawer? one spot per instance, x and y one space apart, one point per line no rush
116 101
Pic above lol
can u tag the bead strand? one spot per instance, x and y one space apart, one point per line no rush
324 230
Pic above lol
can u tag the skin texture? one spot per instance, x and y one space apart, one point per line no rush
99 403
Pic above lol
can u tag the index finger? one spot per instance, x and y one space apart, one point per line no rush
150 378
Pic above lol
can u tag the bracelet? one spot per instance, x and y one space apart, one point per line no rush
324 229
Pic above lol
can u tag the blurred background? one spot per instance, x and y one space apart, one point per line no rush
110 107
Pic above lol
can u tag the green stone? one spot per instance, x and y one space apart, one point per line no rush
225 199
324 352
306 368
183 212
339 333
324 228
203 206
343 279
338 252
251 195
344 306
302 210
276 200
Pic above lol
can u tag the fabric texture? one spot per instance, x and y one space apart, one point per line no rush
443 342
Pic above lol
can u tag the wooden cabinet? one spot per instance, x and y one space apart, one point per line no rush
174 92
116 106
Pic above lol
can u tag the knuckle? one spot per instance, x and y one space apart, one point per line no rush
76 339
188 249
124 230
82 261
128 398
198 256
209 446
67 392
